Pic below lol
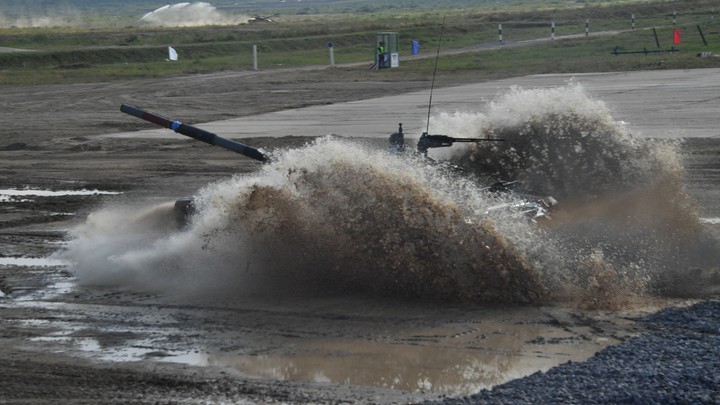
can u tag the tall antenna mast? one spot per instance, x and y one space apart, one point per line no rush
432 86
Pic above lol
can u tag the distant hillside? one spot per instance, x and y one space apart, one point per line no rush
65 8
73 9
94 13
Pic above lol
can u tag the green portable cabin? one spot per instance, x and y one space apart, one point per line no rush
387 49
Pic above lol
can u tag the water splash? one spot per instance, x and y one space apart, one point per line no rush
559 141
332 215
190 15
627 224
335 217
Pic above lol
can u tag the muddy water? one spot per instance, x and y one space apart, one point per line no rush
455 359
341 218
344 265
407 347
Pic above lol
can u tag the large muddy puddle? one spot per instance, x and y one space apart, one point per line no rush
452 360
417 347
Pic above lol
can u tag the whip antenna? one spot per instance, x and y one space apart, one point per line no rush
432 86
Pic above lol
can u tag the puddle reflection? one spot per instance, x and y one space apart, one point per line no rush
454 371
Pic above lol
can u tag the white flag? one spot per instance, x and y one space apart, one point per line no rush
172 53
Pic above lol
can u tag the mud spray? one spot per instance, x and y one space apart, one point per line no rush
335 217
190 15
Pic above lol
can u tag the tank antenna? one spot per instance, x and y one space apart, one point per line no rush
432 86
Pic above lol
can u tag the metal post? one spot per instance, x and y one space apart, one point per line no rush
633 21
674 17
500 32
255 57
701 35
657 41
332 56
552 30
587 27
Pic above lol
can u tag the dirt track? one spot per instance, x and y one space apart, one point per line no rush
63 343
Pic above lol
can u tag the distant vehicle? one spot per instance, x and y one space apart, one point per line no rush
261 18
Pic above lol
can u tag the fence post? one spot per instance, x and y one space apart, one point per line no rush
657 41
701 35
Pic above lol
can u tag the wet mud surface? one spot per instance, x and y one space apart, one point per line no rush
62 342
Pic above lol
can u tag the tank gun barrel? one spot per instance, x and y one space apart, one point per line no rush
438 141
196 133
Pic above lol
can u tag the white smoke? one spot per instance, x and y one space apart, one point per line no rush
190 15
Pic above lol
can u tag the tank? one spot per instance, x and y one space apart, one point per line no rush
534 207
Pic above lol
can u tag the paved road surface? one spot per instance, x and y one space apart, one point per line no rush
664 103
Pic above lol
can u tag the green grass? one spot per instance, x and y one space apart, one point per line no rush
592 54
68 55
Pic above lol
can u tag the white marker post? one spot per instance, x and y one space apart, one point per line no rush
332 53
500 32
587 27
255 57
552 30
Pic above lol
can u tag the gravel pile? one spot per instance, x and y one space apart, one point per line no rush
677 362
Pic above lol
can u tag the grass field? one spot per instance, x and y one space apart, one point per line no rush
77 54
